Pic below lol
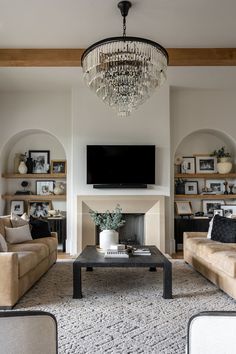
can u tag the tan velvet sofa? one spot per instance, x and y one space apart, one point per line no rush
23 265
215 260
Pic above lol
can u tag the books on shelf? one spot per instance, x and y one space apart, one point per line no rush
141 251
110 253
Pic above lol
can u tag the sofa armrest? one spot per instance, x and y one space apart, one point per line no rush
54 235
8 278
194 234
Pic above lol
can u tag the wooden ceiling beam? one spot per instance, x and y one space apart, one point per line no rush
72 57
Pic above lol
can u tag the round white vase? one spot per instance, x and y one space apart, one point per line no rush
224 165
108 238
22 168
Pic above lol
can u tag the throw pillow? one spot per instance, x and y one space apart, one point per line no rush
4 221
17 220
18 234
223 229
210 228
39 228
3 244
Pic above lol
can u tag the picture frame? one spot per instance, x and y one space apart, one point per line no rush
45 187
229 210
208 206
188 164
39 208
218 212
17 207
58 166
183 208
191 187
41 160
206 164
216 186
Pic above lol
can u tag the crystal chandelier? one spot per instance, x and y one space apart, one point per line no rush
124 71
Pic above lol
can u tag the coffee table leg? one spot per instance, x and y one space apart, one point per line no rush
167 280
152 269
89 269
77 291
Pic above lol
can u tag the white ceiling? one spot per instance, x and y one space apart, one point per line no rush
79 23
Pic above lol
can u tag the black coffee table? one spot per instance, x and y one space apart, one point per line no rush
91 257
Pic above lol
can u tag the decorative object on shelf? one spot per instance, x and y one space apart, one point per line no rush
216 186
39 208
180 186
183 208
17 159
191 187
231 187
208 206
41 160
24 184
45 187
17 207
30 165
59 188
58 166
229 210
206 164
178 161
54 213
188 164
226 188
224 164
218 212
124 71
22 168
108 223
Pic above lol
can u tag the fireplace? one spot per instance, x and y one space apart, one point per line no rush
150 207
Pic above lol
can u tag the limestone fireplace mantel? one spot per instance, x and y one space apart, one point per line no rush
153 206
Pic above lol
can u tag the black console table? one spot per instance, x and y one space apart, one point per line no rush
189 224
58 224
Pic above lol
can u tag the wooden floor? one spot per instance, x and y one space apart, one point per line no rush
178 255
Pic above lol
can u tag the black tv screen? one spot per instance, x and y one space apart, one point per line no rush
121 164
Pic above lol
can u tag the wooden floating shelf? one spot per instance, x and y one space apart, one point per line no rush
34 175
205 196
205 175
33 197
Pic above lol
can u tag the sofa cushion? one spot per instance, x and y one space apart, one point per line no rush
40 228
17 220
193 243
50 242
41 251
26 261
225 261
4 221
205 250
18 234
3 244
223 229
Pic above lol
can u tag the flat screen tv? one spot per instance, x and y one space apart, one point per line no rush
120 165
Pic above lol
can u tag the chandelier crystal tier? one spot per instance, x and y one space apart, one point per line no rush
124 71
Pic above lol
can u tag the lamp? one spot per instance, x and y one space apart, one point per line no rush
124 71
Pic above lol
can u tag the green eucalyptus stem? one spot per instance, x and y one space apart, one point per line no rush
110 220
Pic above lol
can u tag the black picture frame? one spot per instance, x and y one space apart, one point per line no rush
41 161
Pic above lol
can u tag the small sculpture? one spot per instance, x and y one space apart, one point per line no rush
231 186
226 187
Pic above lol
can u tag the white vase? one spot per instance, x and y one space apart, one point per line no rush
224 165
22 168
59 189
108 238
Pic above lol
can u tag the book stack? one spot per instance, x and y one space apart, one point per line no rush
141 252
110 253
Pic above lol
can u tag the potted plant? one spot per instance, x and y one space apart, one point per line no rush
224 164
108 223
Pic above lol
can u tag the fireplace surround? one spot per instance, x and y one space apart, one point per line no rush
152 206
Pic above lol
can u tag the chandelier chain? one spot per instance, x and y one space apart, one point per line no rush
124 27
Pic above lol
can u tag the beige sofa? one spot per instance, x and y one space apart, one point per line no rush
215 260
23 265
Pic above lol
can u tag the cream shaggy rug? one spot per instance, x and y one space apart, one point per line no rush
122 310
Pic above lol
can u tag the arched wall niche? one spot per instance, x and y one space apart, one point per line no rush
205 141
31 139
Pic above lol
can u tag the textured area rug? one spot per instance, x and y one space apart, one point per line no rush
122 310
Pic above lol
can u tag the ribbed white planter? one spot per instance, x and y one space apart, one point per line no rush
108 238
224 165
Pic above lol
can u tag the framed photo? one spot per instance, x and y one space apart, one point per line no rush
41 160
206 164
183 208
58 166
215 186
44 187
188 164
229 210
39 208
218 212
17 207
191 187
208 206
